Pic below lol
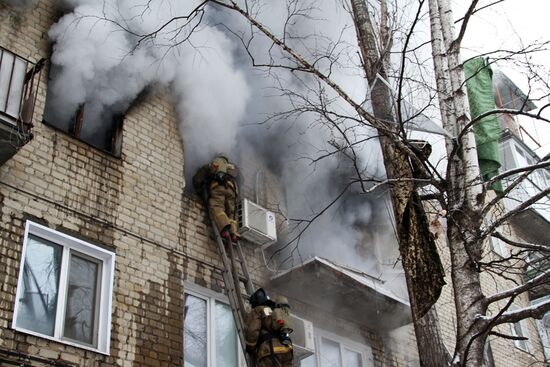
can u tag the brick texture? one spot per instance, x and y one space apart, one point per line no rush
137 206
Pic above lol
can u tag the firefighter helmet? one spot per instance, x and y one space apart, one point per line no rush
260 298
223 156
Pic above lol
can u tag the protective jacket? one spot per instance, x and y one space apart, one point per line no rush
263 341
219 178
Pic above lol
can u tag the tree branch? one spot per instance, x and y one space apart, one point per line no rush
536 281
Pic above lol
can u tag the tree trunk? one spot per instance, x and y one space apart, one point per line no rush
464 189
416 246
428 329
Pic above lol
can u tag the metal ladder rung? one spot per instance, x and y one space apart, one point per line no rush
232 280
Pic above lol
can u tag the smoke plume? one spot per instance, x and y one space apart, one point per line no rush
102 59
97 62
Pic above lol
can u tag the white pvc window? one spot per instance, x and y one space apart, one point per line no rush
335 351
543 327
497 245
331 353
308 362
519 329
64 292
210 337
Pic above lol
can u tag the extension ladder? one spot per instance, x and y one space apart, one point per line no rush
232 279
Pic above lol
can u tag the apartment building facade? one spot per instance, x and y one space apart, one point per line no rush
109 259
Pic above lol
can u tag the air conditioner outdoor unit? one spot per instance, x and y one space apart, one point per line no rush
302 338
257 224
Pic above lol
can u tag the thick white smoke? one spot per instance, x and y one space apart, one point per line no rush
357 229
96 61
221 98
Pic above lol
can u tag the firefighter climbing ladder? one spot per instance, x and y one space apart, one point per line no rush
232 281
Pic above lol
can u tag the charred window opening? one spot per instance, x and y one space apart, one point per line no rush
84 126
92 122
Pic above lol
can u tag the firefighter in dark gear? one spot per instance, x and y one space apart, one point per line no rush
261 340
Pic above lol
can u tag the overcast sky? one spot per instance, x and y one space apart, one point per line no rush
508 25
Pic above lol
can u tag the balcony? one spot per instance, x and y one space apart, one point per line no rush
348 293
533 223
19 79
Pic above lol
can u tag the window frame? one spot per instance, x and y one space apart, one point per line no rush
115 145
364 350
75 128
72 245
524 332
211 297
542 330
497 245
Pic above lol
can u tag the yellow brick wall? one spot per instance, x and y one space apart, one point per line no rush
134 205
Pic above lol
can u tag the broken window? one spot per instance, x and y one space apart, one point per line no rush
210 337
64 289
91 122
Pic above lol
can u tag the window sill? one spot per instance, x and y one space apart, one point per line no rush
117 156
62 341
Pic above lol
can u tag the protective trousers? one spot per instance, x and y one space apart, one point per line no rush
221 203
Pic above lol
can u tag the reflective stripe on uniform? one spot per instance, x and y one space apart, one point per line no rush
282 349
